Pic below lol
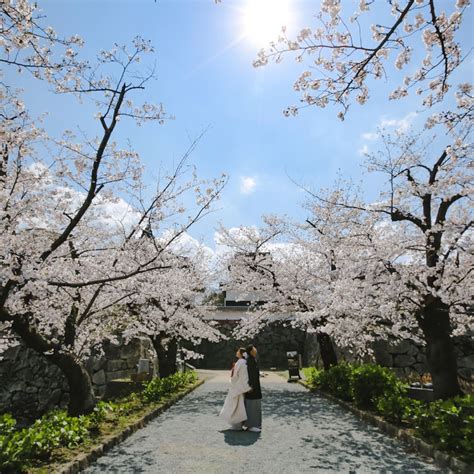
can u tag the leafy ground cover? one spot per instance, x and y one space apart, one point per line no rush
446 424
56 438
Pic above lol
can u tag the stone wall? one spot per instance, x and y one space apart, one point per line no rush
30 385
407 358
272 344
118 362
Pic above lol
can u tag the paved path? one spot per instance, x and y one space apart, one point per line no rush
301 433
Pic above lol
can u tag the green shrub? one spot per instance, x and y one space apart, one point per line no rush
337 381
396 407
12 456
98 415
7 424
170 384
311 375
153 391
449 425
157 388
370 382
56 429
51 431
127 405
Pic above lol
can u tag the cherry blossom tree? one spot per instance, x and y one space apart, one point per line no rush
174 316
72 209
342 63
431 196
286 277
293 267
400 268
405 268
427 198
429 201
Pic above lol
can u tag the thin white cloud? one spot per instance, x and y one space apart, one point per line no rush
247 184
364 150
402 125
370 136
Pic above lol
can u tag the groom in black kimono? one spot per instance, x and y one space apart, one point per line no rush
253 398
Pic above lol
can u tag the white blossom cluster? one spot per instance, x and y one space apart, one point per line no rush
82 239
361 272
341 62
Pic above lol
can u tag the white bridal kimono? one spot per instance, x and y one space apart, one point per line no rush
233 410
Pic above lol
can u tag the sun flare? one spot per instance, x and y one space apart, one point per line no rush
263 19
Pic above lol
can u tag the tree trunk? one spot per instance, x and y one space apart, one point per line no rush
167 357
81 393
326 347
435 324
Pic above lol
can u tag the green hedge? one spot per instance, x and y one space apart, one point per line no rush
157 388
20 447
448 425
338 381
370 382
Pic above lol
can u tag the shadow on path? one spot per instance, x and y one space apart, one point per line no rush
301 433
240 438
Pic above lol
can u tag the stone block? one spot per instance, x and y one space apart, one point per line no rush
420 368
121 374
64 399
97 363
401 348
413 350
112 351
44 396
5 396
131 363
132 349
383 357
403 360
53 372
99 378
115 365
421 358
466 373
15 352
55 397
23 373
18 386
18 397
99 390
466 362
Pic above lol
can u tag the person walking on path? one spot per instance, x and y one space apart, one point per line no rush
233 410
253 398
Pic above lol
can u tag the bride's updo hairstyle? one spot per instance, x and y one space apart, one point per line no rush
243 352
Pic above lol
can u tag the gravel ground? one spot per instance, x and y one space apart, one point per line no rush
301 433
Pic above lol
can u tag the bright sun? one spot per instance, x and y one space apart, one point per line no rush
263 19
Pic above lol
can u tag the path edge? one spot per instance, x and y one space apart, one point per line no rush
441 458
84 460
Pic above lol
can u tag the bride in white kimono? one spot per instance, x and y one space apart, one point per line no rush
233 410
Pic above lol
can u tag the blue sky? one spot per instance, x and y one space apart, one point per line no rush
206 79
